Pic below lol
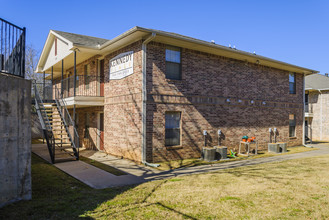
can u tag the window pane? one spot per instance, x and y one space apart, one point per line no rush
292 89
173 54
173 71
292 131
172 131
292 125
172 137
173 120
292 83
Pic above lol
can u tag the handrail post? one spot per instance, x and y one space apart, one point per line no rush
52 82
44 83
62 78
75 72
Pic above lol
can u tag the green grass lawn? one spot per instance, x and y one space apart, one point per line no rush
174 164
295 189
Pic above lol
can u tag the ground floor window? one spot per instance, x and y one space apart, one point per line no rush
292 125
173 128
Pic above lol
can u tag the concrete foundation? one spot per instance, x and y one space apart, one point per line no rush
15 139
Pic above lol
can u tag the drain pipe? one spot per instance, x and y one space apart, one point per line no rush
144 100
320 114
304 144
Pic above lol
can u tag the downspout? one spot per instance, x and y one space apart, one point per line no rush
144 100
304 114
320 115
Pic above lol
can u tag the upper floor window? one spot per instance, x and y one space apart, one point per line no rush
173 63
87 74
55 46
292 83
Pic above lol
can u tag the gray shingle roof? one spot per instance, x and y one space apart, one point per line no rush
317 81
82 40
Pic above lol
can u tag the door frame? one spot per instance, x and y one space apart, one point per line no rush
98 144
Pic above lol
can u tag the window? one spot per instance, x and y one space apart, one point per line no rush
172 135
292 125
173 63
55 46
87 73
292 83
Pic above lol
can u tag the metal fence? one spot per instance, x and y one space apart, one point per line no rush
45 90
85 85
12 49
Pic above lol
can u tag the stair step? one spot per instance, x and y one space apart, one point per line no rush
60 160
54 117
62 153
58 138
63 145
64 148
59 129
59 142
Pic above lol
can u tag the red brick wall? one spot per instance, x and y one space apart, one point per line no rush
207 82
123 107
89 141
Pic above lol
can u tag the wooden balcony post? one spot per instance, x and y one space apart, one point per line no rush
62 79
75 72
44 83
52 82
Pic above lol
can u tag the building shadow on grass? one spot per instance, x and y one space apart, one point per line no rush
56 195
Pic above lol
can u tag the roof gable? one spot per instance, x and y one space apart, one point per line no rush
82 40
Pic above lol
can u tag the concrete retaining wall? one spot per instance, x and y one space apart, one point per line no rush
15 139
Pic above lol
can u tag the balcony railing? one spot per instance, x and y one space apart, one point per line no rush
12 49
45 90
85 86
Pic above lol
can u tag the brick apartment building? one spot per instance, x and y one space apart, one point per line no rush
149 95
317 107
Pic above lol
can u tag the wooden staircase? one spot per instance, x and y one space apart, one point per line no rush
63 144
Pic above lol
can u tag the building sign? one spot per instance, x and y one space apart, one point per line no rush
122 65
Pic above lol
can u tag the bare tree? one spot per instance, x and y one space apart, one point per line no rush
31 62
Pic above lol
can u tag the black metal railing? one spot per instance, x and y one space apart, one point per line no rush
85 86
67 120
12 49
45 90
45 123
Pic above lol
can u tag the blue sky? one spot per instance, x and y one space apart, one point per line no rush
292 31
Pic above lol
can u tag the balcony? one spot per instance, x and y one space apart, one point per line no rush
89 90
308 110
12 49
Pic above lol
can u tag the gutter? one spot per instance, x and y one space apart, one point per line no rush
144 100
